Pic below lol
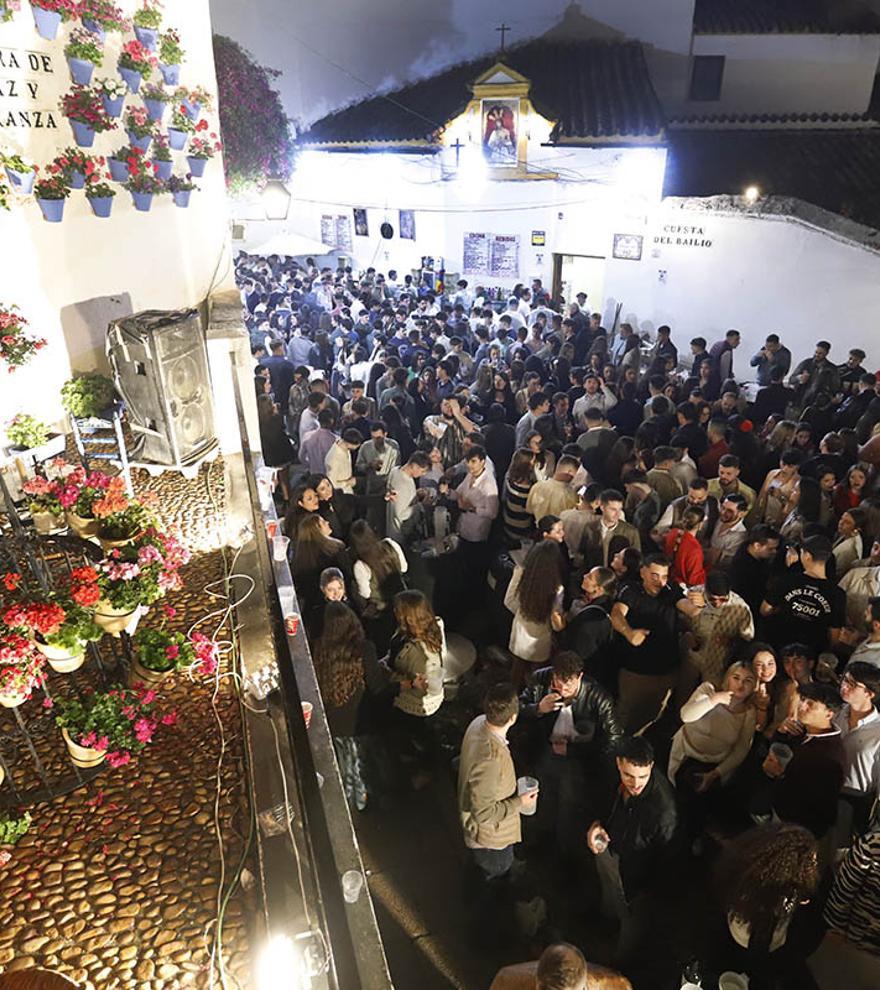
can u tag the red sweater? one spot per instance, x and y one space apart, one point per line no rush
688 566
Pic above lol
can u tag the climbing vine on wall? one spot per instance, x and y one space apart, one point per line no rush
257 134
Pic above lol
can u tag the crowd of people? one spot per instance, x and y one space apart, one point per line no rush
668 564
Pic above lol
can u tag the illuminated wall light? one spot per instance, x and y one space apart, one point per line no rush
276 200
472 171
751 194
280 964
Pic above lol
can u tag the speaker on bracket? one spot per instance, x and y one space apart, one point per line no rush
160 367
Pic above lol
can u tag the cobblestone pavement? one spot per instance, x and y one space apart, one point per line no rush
117 884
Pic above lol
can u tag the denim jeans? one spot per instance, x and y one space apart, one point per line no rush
493 863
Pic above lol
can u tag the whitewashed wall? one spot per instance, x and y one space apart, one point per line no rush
69 278
759 274
605 190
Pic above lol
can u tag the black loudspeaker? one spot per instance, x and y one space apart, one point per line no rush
160 366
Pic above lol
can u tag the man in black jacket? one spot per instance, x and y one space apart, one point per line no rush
636 845
571 730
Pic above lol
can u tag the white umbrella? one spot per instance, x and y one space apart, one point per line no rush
291 245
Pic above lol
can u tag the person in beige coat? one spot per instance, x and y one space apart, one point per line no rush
488 803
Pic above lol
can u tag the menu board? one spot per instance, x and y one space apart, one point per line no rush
475 260
328 230
343 233
491 254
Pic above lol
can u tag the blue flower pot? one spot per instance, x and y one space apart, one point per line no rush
118 170
148 37
77 180
131 77
141 143
21 182
95 28
170 73
47 22
80 70
101 205
163 169
113 107
155 109
82 134
142 201
196 166
192 110
177 139
53 209
181 198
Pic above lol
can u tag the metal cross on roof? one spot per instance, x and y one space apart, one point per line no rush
503 29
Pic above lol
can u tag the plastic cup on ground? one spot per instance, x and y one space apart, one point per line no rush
279 547
782 754
271 528
291 623
307 712
525 785
733 981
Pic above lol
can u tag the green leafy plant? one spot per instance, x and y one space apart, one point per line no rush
99 190
256 131
12 828
144 181
195 94
170 51
27 431
87 394
53 187
161 149
85 45
162 651
149 14
156 92
83 105
181 183
137 57
138 122
104 13
130 522
8 8
17 163
181 121
17 346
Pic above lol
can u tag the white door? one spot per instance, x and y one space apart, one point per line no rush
584 273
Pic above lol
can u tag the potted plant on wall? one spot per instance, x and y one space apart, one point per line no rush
84 52
48 15
181 188
32 441
147 19
17 347
21 669
139 127
143 184
118 162
155 100
111 725
201 151
170 56
8 8
50 194
162 158
112 93
100 196
21 174
193 100
180 128
135 64
76 166
88 394
85 110
100 16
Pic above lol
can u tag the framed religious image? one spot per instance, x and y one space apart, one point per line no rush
500 132
407 224
361 227
627 247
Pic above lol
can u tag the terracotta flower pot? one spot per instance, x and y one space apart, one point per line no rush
113 620
82 525
47 522
60 660
139 674
83 756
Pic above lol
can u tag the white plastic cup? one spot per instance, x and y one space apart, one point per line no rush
733 981
352 885
782 754
279 547
525 785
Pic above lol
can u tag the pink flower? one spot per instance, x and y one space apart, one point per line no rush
102 742
169 719
119 758
170 612
148 697
48 703
129 711
172 651
88 740
143 729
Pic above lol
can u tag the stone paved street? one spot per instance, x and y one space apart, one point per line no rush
117 884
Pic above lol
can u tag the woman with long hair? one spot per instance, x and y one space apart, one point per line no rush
328 503
535 595
767 685
350 680
544 462
713 741
684 550
379 566
777 492
762 878
518 522
315 550
303 502
275 443
421 405
627 565
503 394
850 492
849 544
806 510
